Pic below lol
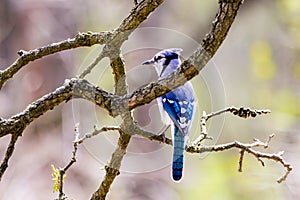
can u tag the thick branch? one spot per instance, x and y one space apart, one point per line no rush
113 168
74 88
138 14
17 123
190 67
113 45
117 105
113 40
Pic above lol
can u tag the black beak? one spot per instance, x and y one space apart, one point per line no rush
149 62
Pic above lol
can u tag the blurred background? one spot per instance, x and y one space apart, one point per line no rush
257 66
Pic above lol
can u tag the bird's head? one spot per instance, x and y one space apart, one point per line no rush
166 60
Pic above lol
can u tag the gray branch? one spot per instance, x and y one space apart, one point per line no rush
248 147
80 40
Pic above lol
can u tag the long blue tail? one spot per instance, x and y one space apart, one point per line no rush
178 152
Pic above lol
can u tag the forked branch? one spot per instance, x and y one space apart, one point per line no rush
197 147
247 147
60 174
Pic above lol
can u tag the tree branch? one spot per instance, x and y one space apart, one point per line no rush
190 67
74 88
114 104
60 174
197 147
138 14
80 40
91 66
112 47
112 39
113 168
8 154
96 131
242 112
248 147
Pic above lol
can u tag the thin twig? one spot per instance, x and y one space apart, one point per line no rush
77 141
203 131
91 66
95 132
63 171
243 148
9 151
242 153
241 112
197 147
112 47
248 147
157 137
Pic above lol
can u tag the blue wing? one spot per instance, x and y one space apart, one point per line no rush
179 104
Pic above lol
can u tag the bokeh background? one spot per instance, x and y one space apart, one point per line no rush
257 66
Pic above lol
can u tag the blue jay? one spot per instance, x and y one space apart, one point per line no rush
176 107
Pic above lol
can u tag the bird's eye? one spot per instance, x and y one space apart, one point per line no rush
158 58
